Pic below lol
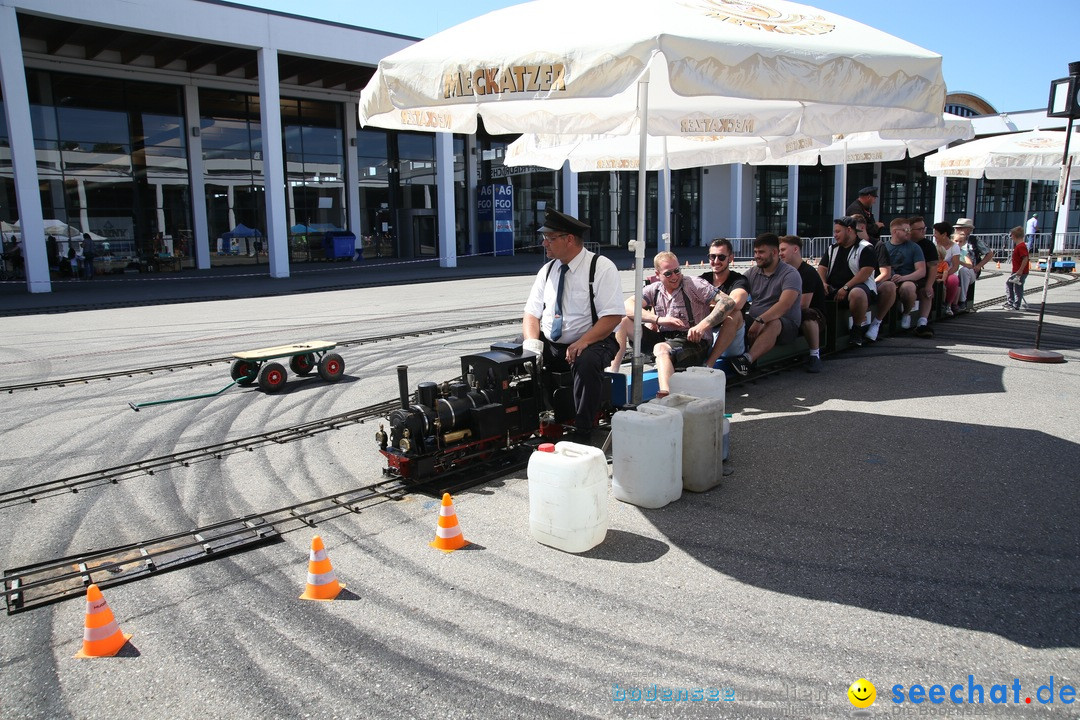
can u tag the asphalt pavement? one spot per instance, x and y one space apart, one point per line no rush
908 516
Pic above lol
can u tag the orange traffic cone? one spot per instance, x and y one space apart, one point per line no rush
448 535
101 635
322 584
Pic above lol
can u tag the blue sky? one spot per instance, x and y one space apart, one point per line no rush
1005 52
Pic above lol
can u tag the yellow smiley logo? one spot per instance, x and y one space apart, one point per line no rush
862 693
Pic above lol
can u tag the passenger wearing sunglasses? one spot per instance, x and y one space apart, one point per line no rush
729 340
678 313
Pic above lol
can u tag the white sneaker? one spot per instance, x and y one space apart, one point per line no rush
905 322
872 331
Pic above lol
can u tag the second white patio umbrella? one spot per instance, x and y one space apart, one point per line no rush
678 67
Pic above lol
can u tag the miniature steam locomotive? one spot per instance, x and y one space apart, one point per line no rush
502 400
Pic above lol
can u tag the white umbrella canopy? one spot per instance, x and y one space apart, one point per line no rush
587 153
713 66
878 146
1032 155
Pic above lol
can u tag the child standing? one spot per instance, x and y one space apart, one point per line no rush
1014 286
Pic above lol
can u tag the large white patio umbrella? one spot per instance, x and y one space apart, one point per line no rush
1032 155
678 67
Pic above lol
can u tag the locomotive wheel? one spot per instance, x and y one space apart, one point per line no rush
272 377
244 372
302 364
331 367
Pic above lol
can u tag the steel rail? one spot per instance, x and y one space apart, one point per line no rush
184 458
191 364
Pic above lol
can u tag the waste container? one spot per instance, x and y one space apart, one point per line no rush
339 245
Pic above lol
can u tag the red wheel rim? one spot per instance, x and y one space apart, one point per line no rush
333 367
273 377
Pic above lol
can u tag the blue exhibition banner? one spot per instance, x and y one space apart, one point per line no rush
495 217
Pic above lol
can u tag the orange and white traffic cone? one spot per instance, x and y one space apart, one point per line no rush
101 635
322 583
448 535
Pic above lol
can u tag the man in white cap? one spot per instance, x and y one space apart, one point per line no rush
972 248
573 308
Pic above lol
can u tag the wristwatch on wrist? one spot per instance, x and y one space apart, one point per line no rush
759 320
845 288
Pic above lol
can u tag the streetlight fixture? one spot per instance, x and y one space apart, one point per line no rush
1064 103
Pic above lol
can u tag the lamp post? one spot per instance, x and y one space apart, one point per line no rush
1064 102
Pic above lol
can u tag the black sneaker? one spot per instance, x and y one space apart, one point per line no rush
924 331
858 333
814 364
740 364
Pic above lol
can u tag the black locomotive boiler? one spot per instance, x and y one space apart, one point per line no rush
496 404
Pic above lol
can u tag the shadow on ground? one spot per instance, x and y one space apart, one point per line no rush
983 541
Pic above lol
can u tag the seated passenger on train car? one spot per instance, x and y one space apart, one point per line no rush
680 311
886 291
908 267
811 302
926 286
729 340
775 289
569 327
847 269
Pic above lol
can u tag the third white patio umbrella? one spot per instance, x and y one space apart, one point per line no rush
678 67
1032 155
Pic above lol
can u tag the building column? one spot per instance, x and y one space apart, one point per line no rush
277 233
200 227
793 200
1062 224
447 213
939 198
23 156
839 190
353 215
663 205
569 190
735 200
472 179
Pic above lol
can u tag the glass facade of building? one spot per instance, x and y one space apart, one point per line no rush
111 160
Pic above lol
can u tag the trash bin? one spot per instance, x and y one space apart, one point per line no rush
339 245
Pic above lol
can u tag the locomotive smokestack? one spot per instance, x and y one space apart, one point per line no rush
403 385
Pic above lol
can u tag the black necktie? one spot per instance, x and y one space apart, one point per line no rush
556 323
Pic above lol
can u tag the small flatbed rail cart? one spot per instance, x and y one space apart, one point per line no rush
252 366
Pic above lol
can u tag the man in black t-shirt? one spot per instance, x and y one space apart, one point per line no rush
812 300
847 270
730 336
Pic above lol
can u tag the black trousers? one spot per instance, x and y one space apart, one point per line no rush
588 373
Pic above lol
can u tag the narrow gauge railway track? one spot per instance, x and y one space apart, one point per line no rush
45 583
184 458
173 367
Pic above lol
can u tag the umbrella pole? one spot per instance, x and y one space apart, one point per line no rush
637 366
665 201
1036 354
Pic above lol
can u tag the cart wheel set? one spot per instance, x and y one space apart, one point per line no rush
254 365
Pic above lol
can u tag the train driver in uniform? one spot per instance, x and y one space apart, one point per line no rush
570 329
